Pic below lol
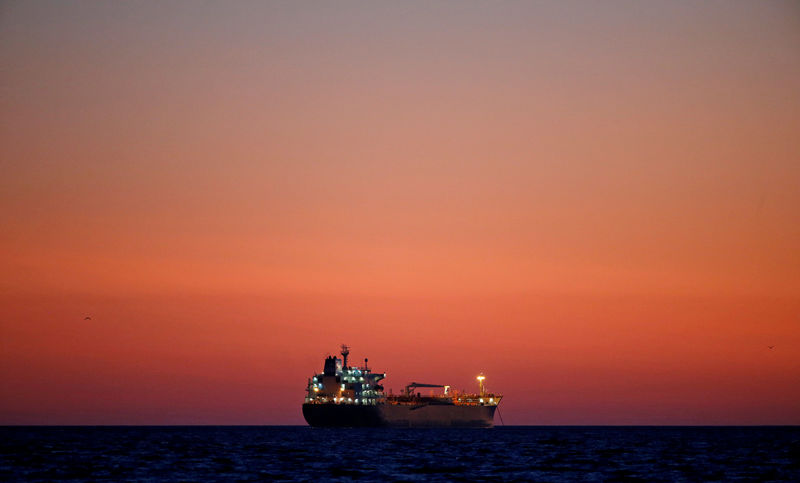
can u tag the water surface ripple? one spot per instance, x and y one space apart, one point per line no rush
246 453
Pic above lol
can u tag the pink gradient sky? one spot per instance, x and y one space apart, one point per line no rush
597 205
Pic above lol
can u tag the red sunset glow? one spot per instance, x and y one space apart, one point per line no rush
597 206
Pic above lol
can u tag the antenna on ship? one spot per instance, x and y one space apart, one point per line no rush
345 353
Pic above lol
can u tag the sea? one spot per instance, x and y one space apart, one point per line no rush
299 453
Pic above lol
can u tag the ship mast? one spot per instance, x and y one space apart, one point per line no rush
345 353
480 378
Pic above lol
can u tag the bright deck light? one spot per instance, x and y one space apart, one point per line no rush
480 379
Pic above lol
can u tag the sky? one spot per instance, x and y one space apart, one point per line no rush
597 205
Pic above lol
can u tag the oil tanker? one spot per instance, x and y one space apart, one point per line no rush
345 396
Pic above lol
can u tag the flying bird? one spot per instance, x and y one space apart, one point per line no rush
771 346
87 318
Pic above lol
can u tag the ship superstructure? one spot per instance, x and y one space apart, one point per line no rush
341 384
352 396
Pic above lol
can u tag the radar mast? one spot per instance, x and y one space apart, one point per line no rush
345 353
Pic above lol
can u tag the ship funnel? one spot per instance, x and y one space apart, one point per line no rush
330 366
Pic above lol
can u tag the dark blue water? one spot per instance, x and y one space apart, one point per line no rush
302 453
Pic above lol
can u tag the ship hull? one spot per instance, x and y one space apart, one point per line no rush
399 415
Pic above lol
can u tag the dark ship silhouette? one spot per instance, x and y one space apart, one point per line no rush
345 396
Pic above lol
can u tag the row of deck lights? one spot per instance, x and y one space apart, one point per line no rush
480 379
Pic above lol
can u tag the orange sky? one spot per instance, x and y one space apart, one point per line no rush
596 206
